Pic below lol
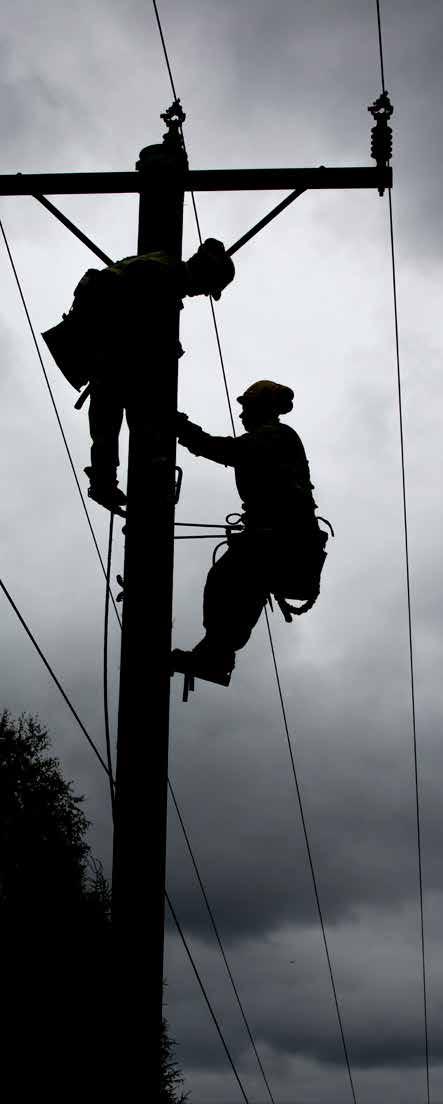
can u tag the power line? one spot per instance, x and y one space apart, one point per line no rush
68 451
308 849
105 666
53 675
164 49
197 220
217 935
411 652
408 586
194 967
380 46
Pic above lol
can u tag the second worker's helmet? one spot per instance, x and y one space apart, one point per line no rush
274 397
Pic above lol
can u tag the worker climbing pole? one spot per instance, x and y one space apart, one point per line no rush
281 550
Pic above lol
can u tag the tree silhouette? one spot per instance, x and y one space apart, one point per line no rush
172 1081
56 990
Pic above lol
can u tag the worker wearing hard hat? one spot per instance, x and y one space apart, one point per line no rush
280 550
120 318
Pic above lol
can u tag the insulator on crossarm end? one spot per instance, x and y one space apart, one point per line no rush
381 134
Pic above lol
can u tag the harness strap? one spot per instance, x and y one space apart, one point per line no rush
289 611
188 685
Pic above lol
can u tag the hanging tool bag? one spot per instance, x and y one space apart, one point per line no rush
297 568
72 341
66 344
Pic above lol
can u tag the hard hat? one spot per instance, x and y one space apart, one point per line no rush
214 262
275 396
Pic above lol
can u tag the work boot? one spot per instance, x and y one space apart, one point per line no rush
106 492
204 662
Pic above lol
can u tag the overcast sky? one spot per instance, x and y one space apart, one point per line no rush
281 84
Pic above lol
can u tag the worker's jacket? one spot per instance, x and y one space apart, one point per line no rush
271 470
273 480
113 310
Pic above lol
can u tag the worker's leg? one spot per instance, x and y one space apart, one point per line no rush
234 597
105 419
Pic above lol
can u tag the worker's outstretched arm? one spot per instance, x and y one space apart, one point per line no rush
221 449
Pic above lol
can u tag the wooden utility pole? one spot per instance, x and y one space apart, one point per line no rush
142 756
143 722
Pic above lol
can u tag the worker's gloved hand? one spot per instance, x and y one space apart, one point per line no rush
189 434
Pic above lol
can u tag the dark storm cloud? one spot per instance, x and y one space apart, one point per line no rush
282 84
286 992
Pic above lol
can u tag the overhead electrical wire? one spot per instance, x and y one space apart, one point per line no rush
268 626
219 941
53 675
105 667
197 220
408 582
68 451
309 853
106 571
194 967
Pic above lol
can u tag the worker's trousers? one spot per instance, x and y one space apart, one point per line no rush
234 596
106 408
108 402
259 562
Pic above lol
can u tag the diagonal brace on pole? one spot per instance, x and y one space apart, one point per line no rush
231 250
73 228
264 221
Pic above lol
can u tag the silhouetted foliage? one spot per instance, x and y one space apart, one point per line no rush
57 996
171 1091
43 851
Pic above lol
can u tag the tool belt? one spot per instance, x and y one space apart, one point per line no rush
289 560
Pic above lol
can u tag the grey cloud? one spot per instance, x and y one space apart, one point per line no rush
311 305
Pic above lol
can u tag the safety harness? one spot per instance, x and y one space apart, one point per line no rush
288 611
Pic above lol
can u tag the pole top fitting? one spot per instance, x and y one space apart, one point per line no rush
381 134
382 108
167 157
173 139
